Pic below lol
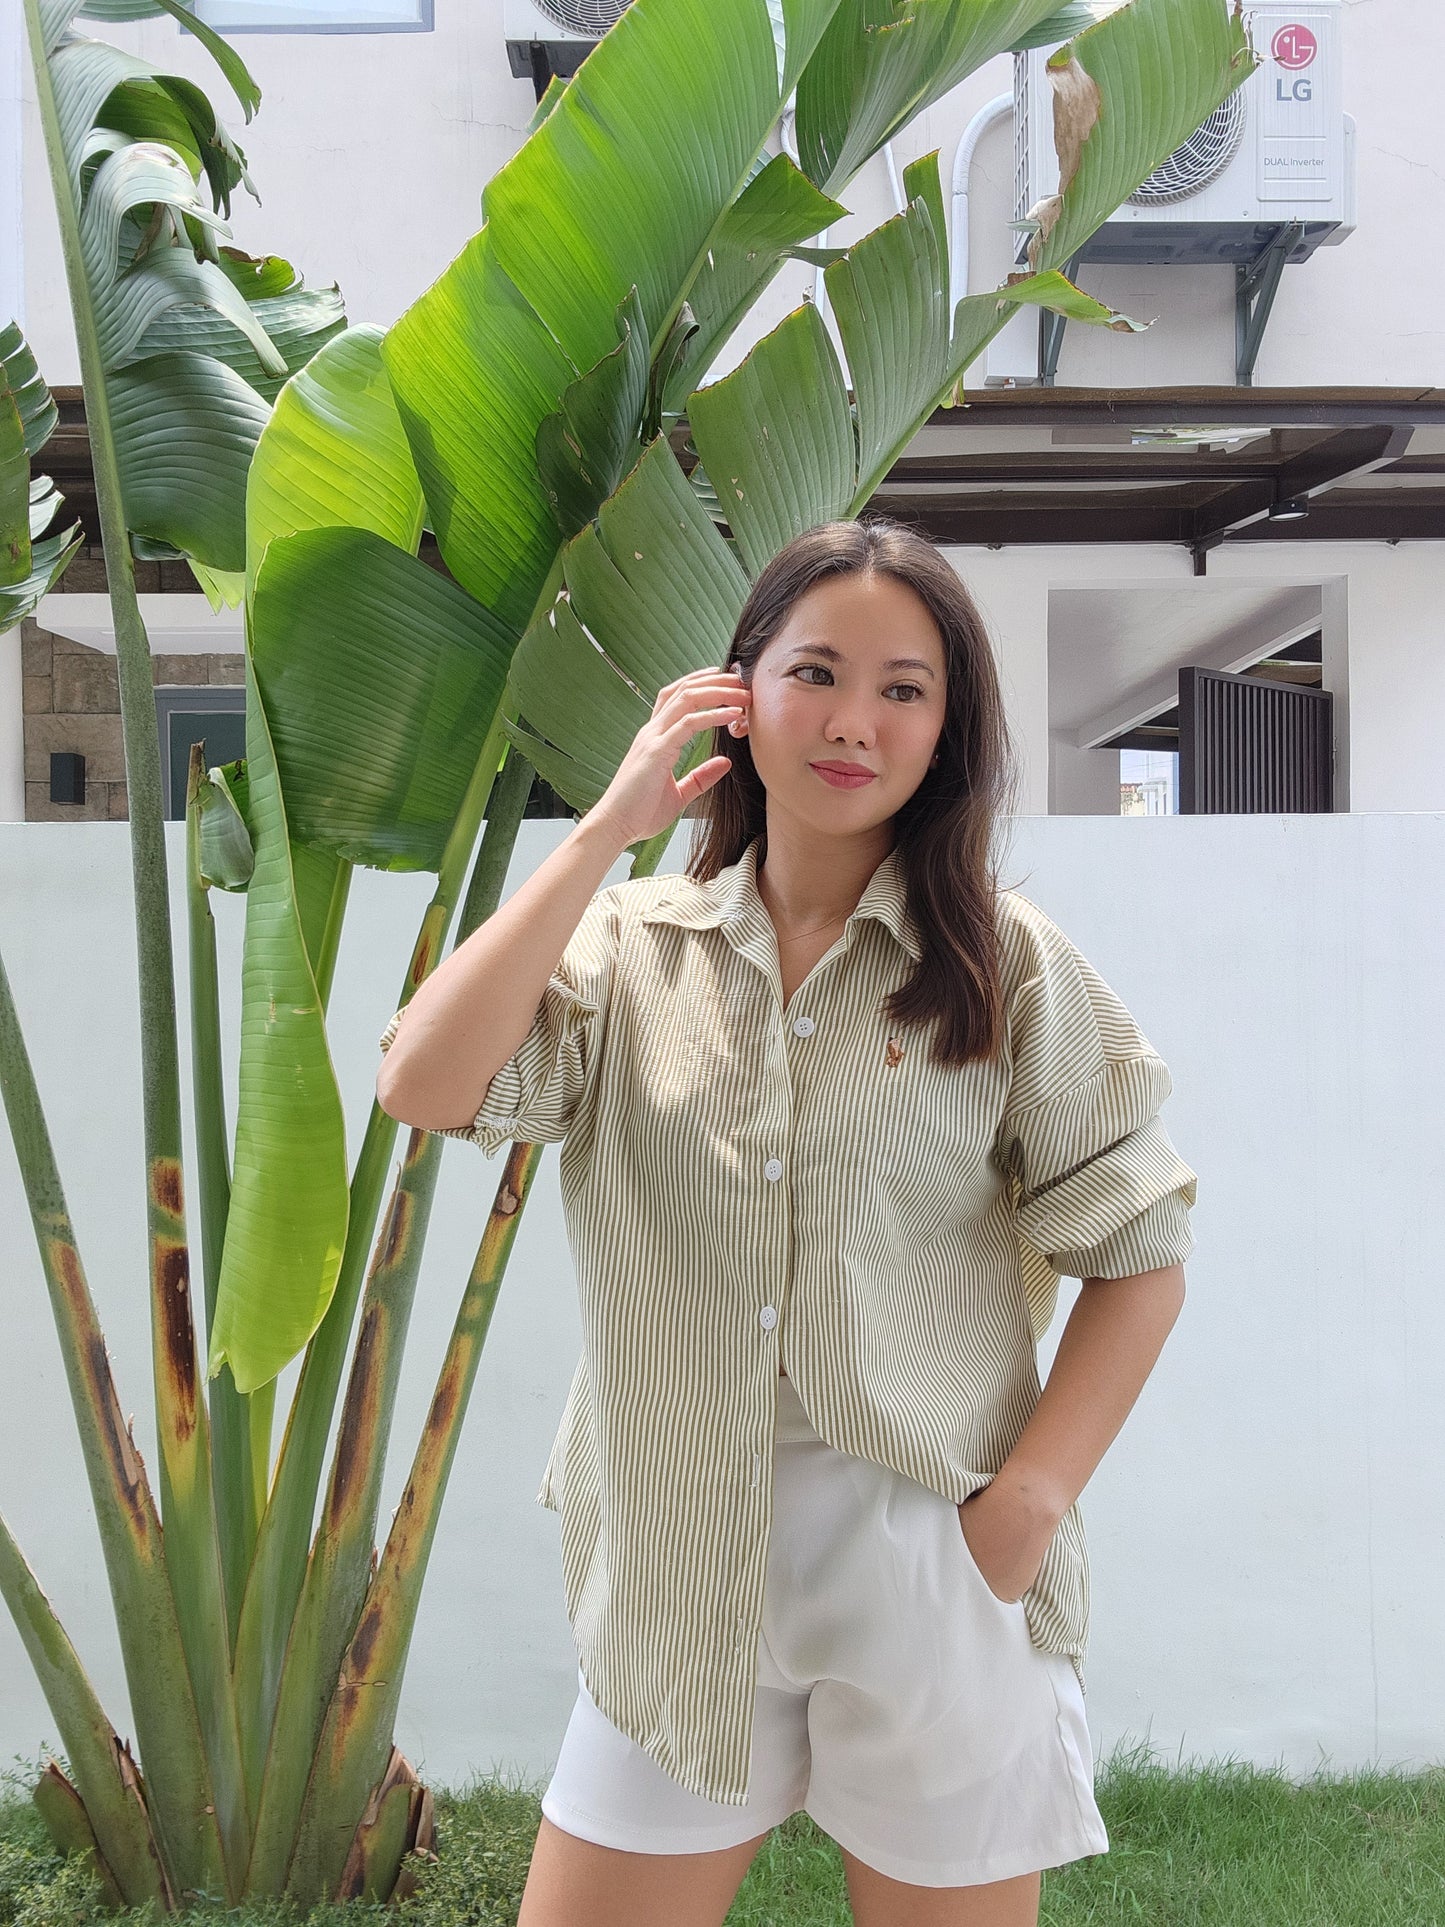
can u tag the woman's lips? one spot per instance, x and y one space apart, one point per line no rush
842 779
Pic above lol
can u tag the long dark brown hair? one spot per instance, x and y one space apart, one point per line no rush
944 833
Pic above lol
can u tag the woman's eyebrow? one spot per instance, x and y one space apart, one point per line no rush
895 662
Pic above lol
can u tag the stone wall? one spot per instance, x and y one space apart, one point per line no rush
71 697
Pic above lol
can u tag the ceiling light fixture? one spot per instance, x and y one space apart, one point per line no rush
1294 508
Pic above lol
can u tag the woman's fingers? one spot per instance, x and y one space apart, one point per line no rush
699 684
697 719
702 778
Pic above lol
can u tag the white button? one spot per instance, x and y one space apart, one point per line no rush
803 1026
768 1317
773 1168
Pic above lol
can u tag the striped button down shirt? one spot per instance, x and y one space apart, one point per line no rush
749 1183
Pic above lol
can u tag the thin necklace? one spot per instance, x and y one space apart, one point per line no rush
793 935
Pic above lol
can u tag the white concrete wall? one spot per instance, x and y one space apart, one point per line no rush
371 153
1383 655
1266 1557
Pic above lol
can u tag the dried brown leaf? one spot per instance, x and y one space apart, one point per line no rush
1077 107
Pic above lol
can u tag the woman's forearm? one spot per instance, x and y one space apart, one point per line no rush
1107 1349
475 1008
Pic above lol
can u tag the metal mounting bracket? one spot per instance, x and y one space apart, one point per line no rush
1051 330
1255 287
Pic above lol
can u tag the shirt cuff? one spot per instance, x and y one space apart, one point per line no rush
1083 1207
531 1098
1158 1236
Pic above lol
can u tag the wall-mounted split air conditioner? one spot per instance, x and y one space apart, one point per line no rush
1278 154
567 30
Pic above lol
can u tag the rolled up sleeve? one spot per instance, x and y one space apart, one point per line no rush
535 1097
1100 1190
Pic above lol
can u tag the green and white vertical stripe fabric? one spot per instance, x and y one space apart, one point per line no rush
750 1186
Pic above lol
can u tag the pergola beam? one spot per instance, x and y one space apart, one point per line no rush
1326 444
1348 455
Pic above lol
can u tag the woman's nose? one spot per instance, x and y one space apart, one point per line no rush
850 725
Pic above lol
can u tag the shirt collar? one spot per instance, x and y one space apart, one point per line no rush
731 899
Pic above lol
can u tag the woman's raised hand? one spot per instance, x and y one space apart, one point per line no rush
644 797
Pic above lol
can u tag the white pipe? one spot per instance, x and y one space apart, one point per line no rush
787 127
900 199
997 108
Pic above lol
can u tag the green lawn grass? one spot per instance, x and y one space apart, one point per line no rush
1217 1845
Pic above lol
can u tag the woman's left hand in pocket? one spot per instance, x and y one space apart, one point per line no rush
1007 1539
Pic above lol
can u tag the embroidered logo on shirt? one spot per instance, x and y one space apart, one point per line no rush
895 1052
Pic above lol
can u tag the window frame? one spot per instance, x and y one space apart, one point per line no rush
424 24
221 698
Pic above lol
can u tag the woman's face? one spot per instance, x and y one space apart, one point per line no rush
856 675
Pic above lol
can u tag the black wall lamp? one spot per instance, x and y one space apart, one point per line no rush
67 776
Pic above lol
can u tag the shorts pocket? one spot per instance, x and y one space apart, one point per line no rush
956 1522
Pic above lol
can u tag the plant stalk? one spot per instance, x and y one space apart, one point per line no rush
191 1545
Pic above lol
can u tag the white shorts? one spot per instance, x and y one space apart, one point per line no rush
900 1701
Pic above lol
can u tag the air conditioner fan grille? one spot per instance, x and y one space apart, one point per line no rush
1202 158
591 17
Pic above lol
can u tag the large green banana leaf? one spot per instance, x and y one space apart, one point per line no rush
286 1226
297 320
778 209
656 584
29 567
187 418
185 323
483 357
658 217
340 617
332 482
20 378
1128 91
879 66
14 494
334 454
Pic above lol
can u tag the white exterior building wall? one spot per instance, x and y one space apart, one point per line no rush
371 154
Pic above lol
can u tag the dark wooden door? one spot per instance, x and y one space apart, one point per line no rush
1247 744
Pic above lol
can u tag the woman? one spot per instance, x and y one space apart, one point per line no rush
836 1112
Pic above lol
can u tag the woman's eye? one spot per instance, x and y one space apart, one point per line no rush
915 687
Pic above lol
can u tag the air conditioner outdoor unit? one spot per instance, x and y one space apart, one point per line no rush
1277 159
567 30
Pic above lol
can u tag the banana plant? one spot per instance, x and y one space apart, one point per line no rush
599 509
